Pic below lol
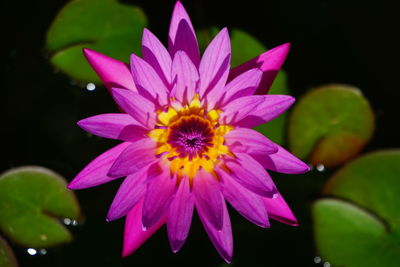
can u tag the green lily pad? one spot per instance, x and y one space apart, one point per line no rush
246 47
7 257
363 227
31 201
330 125
107 26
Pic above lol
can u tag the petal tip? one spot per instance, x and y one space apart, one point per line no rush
87 52
176 245
227 258
111 216
179 5
71 185
125 252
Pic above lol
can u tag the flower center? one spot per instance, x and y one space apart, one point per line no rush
189 138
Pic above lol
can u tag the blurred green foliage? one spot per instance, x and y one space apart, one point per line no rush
107 26
32 201
362 226
330 125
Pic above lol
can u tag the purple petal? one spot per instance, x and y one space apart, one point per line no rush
134 236
248 204
243 85
222 240
160 188
208 198
182 35
214 66
114 126
249 141
95 173
279 210
269 109
186 76
135 157
147 81
239 109
269 62
136 105
282 161
129 194
249 173
112 72
157 56
180 216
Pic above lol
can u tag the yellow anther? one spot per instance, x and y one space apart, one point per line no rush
166 117
159 135
213 115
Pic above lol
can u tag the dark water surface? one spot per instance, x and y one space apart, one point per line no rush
332 42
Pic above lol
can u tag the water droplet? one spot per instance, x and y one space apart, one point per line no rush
31 251
67 221
327 264
43 237
317 259
90 87
42 251
74 222
320 167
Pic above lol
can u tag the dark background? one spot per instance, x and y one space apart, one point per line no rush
353 42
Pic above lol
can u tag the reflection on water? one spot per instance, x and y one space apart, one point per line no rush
71 222
33 252
320 167
90 87
318 260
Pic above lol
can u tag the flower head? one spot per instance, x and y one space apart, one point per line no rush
188 141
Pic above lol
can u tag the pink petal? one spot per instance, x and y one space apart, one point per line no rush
114 126
248 204
208 198
239 109
269 62
160 188
136 105
269 109
280 211
249 173
214 66
243 85
157 56
135 157
95 173
129 194
282 161
222 240
112 72
182 35
134 235
186 76
180 216
249 141
147 81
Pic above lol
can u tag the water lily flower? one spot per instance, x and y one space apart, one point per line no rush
187 138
